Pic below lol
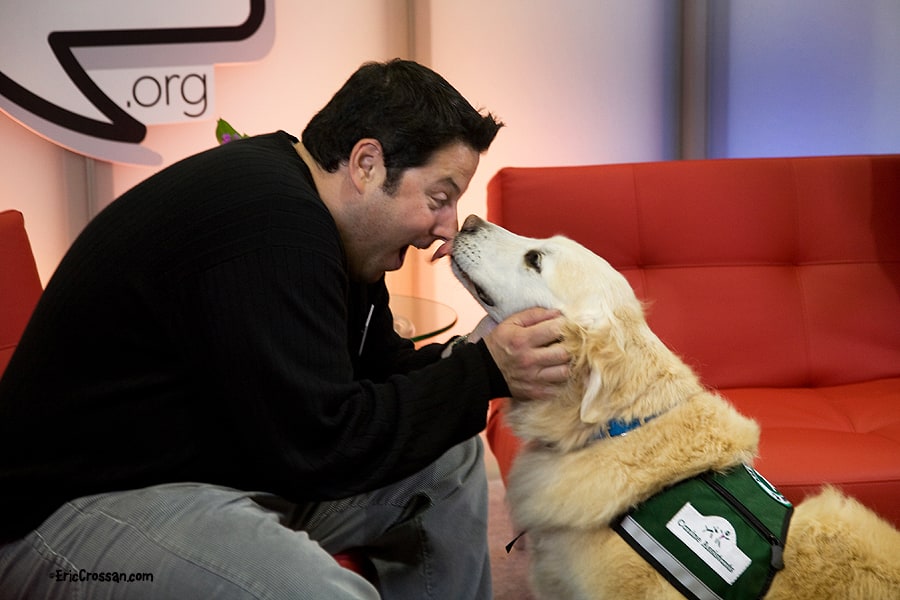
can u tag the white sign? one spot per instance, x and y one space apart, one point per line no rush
713 539
90 75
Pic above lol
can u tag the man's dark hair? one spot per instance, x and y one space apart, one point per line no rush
411 110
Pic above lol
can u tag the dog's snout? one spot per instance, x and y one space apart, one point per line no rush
472 223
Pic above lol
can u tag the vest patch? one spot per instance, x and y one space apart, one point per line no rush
711 538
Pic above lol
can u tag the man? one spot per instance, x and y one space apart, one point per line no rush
210 396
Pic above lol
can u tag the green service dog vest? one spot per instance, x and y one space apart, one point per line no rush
715 536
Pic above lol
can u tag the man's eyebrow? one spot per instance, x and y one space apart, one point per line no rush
449 181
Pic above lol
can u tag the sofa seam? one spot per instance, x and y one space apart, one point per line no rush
641 256
796 264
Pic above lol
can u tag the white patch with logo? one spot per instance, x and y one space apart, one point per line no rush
713 539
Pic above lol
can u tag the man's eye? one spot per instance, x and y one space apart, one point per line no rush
533 260
439 201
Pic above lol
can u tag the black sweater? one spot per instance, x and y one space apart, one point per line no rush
203 328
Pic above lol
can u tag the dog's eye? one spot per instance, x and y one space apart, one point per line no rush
533 260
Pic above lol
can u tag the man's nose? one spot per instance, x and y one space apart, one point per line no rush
447 226
445 229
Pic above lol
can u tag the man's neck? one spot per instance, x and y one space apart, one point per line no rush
328 185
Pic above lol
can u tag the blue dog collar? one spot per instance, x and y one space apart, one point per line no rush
619 427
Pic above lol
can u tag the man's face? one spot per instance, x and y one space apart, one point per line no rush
423 210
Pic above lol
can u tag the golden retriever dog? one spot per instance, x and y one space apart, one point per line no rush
570 482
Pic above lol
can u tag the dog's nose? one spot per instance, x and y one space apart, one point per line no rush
472 223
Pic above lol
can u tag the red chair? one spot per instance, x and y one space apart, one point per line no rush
20 284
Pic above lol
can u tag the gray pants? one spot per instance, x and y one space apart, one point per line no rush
426 536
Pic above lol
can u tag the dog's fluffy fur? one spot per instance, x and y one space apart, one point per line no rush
564 488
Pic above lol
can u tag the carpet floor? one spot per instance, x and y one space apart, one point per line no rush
509 571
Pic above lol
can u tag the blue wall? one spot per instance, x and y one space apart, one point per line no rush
804 77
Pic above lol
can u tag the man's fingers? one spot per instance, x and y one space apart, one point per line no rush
555 374
550 332
546 326
526 348
533 316
552 364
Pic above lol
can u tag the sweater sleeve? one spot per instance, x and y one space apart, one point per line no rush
268 330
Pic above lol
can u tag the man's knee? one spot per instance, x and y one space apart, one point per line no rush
190 541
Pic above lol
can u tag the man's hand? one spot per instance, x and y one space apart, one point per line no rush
527 349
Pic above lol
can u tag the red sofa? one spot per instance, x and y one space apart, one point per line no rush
20 288
778 280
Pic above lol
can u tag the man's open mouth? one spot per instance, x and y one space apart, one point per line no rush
467 281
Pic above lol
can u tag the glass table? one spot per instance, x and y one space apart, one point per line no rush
420 318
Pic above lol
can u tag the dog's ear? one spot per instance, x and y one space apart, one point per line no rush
604 362
592 401
593 345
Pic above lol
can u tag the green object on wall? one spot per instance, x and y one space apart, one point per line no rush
226 133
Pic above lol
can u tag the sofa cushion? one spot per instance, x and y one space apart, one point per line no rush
759 272
845 434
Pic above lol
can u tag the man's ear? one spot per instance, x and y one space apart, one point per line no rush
366 164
